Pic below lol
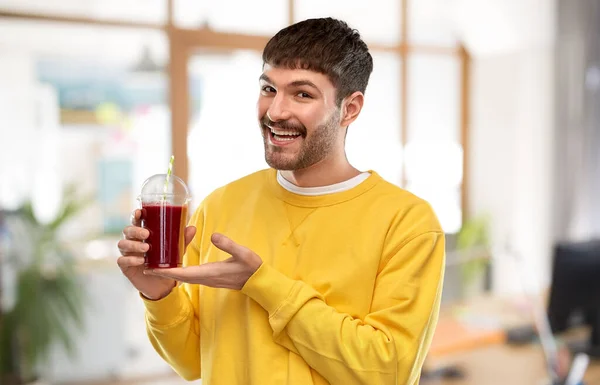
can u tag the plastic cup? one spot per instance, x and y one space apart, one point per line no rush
164 214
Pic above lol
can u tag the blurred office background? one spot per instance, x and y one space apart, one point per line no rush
486 108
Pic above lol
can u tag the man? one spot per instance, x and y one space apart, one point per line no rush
311 271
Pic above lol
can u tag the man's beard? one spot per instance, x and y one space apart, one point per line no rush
314 147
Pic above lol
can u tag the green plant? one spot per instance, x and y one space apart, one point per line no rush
48 297
473 243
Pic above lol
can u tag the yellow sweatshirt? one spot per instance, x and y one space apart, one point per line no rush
348 292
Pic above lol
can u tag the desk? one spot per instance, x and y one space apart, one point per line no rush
489 360
505 365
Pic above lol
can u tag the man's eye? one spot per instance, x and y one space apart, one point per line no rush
268 89
304 95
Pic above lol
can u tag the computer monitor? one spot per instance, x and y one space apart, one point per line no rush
575 292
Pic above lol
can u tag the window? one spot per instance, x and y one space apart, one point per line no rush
93 111
374 140
420 150
433 150
224 142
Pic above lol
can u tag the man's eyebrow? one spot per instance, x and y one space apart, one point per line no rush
300 83
265 78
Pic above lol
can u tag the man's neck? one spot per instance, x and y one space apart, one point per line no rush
324 173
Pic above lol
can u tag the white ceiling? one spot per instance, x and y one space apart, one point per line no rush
485 26
153 10
121 46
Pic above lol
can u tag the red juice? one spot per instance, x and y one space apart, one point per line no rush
166 224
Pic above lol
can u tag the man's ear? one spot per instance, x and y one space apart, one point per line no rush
352 105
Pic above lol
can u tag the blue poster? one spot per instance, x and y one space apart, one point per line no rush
115 193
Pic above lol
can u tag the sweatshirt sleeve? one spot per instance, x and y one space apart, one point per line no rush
389 345
172 323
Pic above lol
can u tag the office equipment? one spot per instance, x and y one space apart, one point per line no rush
575 292
541 322
578 368
521 335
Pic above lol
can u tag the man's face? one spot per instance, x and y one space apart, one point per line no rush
298 117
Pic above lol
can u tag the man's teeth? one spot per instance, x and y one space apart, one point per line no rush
283 139
284 133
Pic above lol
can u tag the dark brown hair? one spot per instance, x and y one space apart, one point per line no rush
325 45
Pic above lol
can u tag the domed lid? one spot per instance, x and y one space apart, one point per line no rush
158 188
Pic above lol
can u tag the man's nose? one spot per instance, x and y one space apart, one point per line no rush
279 109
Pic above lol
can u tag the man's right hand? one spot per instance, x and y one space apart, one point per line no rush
131 262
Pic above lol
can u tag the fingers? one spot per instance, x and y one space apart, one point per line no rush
136 218
189 234
135 233
190 274
130 261
227 245
182 274
129 247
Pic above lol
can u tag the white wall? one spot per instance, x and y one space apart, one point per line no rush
512 129
17 125
511 158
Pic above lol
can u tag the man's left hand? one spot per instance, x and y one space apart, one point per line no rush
231 273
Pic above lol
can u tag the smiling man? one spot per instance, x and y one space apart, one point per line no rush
310 271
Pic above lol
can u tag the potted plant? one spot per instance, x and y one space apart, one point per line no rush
473 245
48 300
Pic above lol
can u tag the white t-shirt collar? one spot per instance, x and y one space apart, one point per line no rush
322 190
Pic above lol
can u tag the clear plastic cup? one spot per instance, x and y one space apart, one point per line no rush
164 215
